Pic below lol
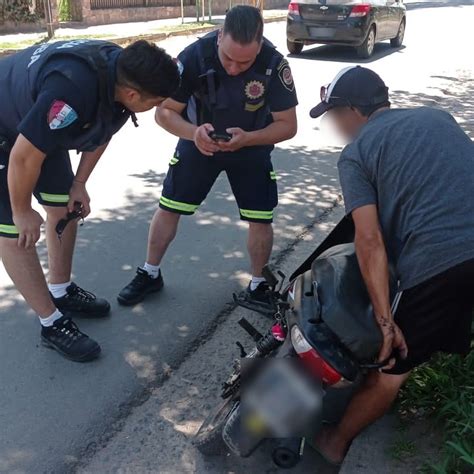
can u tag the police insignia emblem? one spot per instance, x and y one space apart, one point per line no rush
254 90
286 78
61 115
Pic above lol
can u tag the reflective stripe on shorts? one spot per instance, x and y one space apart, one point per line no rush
263 215
178 206
7 229
55 198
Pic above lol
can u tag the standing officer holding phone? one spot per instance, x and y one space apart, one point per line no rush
54 98
237 100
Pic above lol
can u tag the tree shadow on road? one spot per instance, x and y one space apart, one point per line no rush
346 54
439 4
142 344
454 94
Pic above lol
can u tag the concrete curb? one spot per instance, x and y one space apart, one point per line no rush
124 41
368 452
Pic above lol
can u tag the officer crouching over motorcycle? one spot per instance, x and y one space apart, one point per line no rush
237 100
57 97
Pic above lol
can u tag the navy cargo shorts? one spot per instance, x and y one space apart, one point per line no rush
52 188
191 176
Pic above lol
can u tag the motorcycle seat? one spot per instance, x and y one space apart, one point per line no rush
344 303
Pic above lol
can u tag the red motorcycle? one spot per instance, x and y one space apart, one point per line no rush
302 372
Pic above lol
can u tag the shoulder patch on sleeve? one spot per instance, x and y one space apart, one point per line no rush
286 78
282 64
61 115
180 66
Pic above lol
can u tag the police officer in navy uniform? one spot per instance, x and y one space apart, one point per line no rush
236 100
57 97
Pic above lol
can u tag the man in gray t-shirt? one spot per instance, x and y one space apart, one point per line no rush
408 183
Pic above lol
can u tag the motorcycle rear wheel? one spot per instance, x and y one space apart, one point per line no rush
208 440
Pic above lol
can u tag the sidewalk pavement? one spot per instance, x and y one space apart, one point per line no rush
124 32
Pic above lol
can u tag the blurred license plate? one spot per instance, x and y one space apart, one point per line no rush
282 398
322 32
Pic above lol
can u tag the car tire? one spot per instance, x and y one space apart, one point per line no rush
398 40
366 49
294 47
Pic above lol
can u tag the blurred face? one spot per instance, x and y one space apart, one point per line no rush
236 58
347 121
135 101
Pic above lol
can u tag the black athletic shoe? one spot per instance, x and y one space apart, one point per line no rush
66 338
261 294
141 285
79 302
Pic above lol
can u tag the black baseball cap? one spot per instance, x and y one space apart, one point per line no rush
353 86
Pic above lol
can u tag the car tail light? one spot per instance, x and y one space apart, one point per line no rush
360 10
293 8
313 361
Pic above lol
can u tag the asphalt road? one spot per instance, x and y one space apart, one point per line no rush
54 413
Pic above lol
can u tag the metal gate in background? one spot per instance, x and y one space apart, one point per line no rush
108 4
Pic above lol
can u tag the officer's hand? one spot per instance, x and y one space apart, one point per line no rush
239 140
206 145
78 193
28 224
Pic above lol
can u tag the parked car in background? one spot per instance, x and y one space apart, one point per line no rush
357 23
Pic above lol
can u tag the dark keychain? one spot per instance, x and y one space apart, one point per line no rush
71 216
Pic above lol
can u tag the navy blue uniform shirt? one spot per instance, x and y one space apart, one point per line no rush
57 106
80 93
243 94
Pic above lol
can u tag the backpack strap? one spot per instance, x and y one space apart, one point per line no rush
206 53
268 61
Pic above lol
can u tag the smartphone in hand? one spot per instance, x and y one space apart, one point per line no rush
220 137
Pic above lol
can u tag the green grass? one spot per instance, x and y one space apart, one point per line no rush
444 390
402 449
182 27
42 38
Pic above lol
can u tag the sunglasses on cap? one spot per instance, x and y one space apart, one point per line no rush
325 96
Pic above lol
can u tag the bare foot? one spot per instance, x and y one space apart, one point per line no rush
329 446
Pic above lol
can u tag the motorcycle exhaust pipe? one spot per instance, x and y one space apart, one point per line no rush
288 452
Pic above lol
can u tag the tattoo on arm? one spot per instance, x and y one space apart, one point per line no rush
386 323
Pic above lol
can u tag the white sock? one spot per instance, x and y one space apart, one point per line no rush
255 282
152 270
50 320
58 289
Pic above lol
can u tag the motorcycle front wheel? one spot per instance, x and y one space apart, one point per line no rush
208 440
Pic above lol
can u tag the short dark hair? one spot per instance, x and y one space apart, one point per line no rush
244 24
149 69
368 110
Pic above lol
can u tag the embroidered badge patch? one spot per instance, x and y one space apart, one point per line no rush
61 115
254 90
286 78
249 107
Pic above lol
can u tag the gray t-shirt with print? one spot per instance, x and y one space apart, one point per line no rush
417 166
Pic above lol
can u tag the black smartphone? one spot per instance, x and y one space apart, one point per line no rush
220 137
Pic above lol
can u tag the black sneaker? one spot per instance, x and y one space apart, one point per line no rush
66 338
261 294
141 285
79 302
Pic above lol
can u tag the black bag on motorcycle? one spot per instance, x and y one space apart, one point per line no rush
344 301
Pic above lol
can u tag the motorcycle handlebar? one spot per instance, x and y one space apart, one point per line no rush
380 365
